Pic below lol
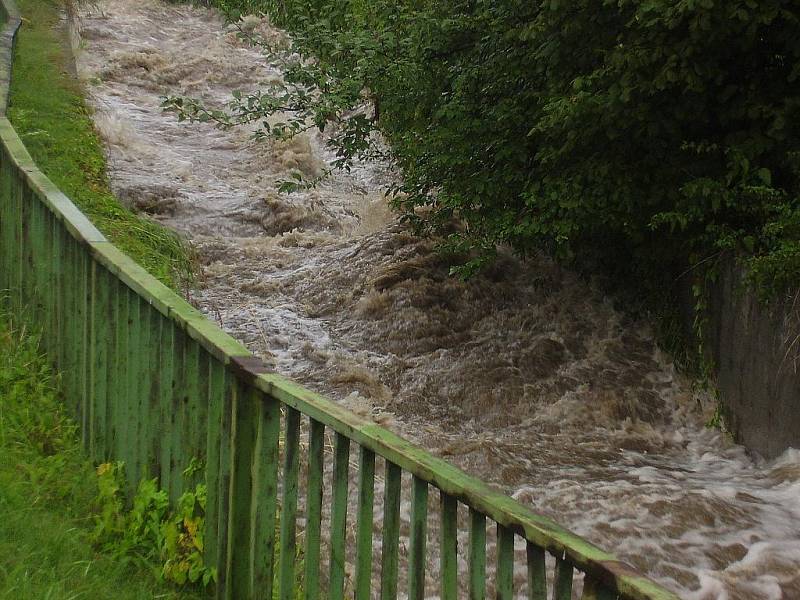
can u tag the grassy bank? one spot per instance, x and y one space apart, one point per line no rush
47 485
50 115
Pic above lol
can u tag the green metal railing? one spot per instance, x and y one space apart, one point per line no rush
155 384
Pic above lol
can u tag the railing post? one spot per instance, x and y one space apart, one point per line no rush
477 555
291 465
316 456
241 535
339 516
265 497
391 531
418 539
216 407
366 498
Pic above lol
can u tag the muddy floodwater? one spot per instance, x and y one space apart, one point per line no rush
525 376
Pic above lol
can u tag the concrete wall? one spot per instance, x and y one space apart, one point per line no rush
756 352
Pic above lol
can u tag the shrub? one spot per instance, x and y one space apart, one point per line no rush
639 135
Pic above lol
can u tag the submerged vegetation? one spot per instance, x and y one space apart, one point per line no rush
48 111
638 139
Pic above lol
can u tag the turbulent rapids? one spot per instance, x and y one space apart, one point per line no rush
525 376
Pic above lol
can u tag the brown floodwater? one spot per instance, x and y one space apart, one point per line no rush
525 376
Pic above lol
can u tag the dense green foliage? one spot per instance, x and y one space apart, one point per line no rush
47 489
642 136
48 111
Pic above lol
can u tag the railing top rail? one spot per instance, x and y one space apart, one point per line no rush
540 530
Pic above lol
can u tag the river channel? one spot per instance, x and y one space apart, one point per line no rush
525 376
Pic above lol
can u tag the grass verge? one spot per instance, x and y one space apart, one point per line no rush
49 113
47 485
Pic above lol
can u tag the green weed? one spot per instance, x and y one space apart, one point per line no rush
47 486
149 531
